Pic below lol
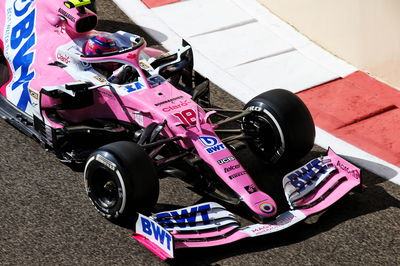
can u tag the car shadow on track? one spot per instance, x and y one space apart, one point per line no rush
374 199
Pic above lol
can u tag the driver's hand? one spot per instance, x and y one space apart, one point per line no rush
121 75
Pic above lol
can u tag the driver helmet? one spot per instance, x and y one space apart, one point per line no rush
101 44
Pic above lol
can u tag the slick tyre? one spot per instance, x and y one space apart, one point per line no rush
120 179
4 71
280 127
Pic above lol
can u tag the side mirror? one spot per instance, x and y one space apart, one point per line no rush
77 86
77 17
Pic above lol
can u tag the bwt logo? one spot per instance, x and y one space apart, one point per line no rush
305 174
215 148
22 39
212 143
153 229
208 141
184 218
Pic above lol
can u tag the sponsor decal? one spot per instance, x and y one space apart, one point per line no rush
186 217
168 101
19 42
208 141
105 161
255 108
101 79
212 144
33 94
232 167
66 14
164 55
286 220
215 148
144 66
64 59
131 56
267 207
226 160
355 173
135 87
251 189
181 104
305 174
237 175
155 233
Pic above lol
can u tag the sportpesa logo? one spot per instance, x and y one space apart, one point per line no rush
20 38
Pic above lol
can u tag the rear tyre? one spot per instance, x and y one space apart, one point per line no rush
280 126
4 71
120 179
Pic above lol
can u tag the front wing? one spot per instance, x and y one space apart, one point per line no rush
309 190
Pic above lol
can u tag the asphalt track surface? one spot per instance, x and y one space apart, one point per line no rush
46 218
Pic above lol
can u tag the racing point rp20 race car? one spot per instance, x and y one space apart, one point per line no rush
159 122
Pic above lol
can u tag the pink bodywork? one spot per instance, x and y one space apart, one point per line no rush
147 100
53 32
47 32
347 178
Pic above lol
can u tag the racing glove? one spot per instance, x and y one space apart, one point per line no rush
123 75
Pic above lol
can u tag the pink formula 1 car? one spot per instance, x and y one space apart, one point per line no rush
159 122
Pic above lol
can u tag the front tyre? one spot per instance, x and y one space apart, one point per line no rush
280 126
120 179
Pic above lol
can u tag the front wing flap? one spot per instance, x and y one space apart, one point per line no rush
309 190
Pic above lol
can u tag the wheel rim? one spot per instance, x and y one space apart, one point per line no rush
104 189
265 137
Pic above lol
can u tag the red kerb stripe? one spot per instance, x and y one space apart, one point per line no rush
360 110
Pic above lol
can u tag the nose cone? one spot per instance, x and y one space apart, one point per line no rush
261 204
